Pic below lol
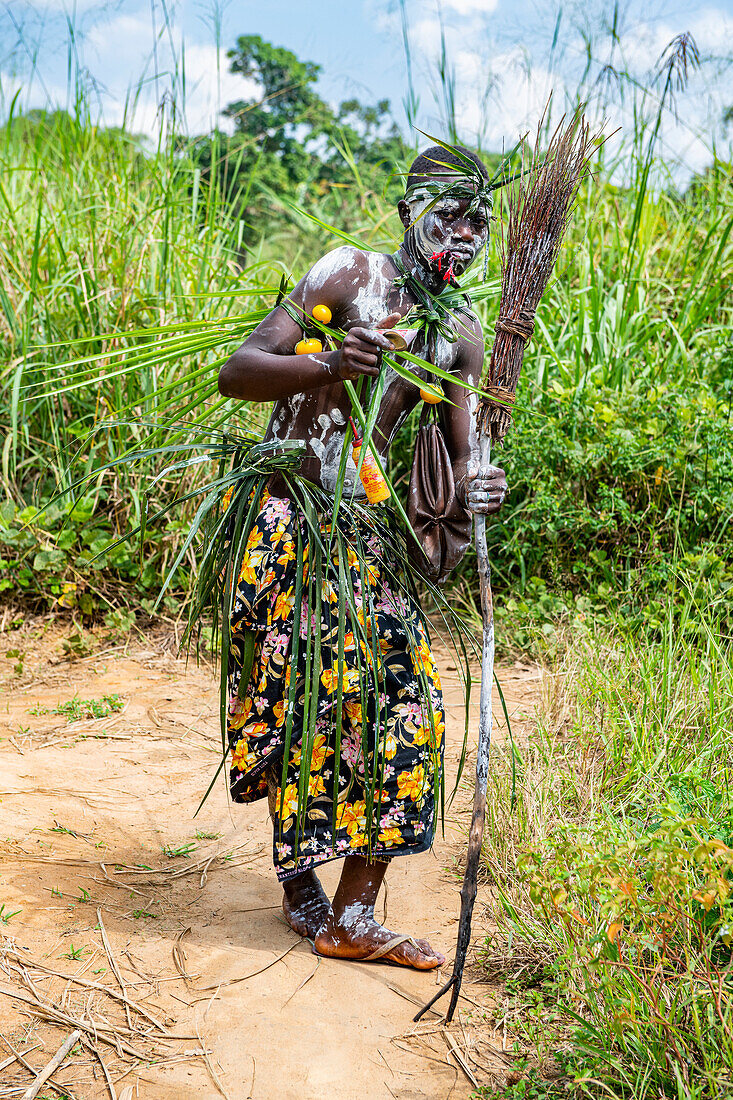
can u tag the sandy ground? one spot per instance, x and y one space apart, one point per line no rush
223 998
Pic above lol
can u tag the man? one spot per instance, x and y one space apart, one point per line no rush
366 294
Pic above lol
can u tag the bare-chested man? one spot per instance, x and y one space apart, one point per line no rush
311 406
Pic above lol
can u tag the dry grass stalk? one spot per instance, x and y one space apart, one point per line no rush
253 974
105 1072
122 998
179 956
106 1033
458 1055
64 1092
32 1091
304 982
226 858
141 1039
113 965
212 1072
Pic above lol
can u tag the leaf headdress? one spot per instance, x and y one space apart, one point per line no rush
461 178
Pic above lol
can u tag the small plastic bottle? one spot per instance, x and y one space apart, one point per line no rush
375 486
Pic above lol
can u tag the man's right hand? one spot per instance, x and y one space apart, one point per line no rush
361 351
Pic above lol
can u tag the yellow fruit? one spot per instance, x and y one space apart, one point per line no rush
308 347
431 398
322 314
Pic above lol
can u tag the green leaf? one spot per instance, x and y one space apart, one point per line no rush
48 559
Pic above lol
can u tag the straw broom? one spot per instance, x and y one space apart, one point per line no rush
539 208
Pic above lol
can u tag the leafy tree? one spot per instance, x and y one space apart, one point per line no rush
289 140
289 116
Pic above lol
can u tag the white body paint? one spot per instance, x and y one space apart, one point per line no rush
373 284
371 298
340 259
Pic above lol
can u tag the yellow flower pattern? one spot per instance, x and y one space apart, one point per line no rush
398 816
412 784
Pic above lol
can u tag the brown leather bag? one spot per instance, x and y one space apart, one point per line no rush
438 518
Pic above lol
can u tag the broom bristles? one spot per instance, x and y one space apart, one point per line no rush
539 208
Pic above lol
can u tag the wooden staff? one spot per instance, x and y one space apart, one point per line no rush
476 832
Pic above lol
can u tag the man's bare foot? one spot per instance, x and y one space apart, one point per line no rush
305 905
354 934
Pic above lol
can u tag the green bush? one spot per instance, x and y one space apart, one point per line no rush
66 554
610 846
644 969
614 499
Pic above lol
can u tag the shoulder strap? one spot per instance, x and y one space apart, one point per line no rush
429 411
430 414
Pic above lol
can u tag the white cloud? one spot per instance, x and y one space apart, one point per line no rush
143 74
424 34
687 133
209 90
458 21
471 7
65 7
642 46
498 95
516 98
712 29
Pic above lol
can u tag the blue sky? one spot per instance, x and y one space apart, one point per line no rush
500 51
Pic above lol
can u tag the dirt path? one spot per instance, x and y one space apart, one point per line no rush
91 814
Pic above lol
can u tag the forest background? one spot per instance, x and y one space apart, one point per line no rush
131 264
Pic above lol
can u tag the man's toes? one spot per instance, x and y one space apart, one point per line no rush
422 957
429 950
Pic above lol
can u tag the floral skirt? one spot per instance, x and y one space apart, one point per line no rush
368 779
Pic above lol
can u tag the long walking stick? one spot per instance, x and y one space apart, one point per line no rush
476 832
539 208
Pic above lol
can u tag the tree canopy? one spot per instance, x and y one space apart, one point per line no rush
299 143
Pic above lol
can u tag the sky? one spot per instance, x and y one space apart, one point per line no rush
506 56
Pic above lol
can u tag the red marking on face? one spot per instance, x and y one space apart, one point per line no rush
439 257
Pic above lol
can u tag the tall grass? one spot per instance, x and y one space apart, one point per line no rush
104 238
112 249
610 855
101 238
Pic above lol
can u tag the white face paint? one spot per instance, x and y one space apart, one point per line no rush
432 234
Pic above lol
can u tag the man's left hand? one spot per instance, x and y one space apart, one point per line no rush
485 488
